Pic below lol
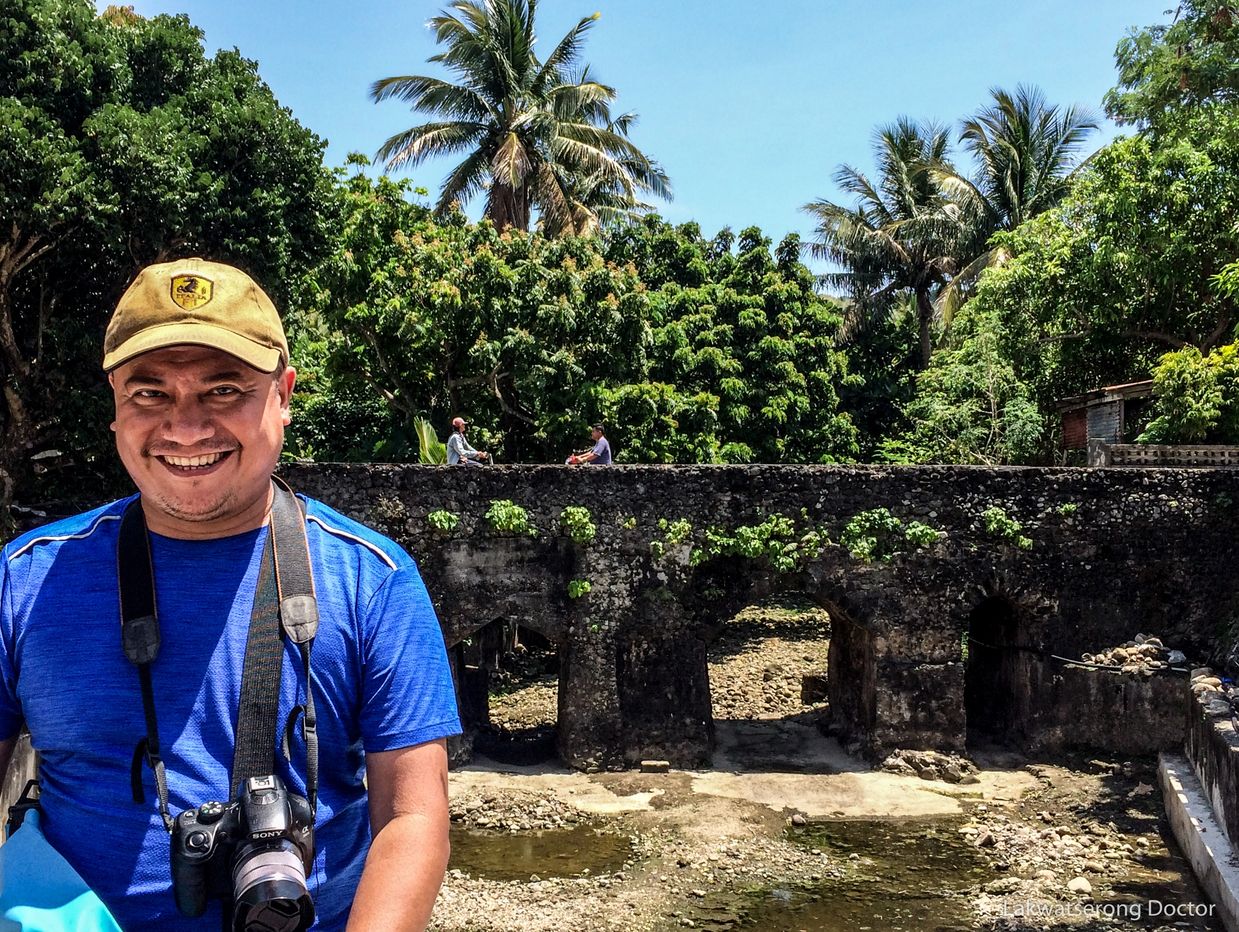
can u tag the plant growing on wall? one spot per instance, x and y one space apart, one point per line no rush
578 588
998 523
878 535
443 521
579 524
921 535
674 533
774 540
506 517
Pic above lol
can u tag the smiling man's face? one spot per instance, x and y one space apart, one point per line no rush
200 434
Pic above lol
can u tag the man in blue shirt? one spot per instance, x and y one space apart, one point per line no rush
198 364
600 455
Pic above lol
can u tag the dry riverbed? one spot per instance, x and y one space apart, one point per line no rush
786 832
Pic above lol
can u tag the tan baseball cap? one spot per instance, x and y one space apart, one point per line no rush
200 303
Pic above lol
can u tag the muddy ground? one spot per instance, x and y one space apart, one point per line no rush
1079 843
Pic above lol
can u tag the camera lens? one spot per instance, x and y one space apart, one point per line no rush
270 889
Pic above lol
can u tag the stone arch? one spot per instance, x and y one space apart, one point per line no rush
1004 624
766 675
662 673
481 653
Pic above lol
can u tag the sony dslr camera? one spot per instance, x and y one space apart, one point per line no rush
253 853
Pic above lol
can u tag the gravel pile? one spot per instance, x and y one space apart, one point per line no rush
515 811
1143 655
531 705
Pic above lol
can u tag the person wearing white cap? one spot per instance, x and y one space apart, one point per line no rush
459 451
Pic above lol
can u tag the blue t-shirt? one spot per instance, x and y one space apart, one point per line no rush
602 450
381 682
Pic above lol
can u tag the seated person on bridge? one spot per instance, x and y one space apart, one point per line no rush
459 450
600 455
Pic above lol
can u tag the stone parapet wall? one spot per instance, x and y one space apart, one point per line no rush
1212 747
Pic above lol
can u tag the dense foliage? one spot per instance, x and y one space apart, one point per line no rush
1171 69
976 292
692 350
1093 293
121 143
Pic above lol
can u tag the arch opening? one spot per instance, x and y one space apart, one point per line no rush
509 682
767 674
994 669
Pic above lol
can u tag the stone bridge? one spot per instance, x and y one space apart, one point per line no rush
1029 563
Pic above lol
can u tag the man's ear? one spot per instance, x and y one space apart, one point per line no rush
284 385
112 384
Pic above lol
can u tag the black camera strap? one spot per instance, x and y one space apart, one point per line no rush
284 599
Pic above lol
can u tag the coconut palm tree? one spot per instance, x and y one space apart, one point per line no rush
532 132
596 199
900 235
1026 154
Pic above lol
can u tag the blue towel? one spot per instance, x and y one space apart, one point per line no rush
40 892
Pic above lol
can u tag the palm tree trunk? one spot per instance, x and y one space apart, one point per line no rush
925 319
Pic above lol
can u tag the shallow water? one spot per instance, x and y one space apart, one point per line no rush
565 852
908 876
918 876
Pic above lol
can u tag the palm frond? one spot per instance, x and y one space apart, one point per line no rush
413 146
510 164
433 95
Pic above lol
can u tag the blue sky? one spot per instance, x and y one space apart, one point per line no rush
748 105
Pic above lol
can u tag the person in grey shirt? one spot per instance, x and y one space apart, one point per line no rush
459 450
600 455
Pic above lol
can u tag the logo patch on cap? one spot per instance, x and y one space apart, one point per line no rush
191 291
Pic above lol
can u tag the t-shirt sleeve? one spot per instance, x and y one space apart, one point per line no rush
407 697
10 707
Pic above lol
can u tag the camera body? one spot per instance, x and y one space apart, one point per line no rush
255 853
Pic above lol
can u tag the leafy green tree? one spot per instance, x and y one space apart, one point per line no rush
899 235
1197 397
882 357
972 405
534 134
1026 154
689 350
1167 70
122 144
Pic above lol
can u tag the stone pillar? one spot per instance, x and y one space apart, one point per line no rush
589 729
664 690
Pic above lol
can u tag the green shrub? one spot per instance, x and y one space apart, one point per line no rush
578 588
506 517
774 540
998 523
1067 509
922 535
878 535
674 533
579 524
443 521
627 522
873 535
